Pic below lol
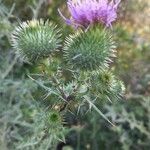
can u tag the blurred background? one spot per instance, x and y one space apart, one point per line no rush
131 115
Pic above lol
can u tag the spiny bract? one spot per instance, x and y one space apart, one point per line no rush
35 39
90 50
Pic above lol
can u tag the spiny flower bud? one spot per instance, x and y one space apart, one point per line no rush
54 124
91 50
35 39
101 82
54 119
106 86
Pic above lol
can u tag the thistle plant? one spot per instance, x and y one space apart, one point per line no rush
82 75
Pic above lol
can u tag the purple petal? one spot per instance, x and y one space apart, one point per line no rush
86 12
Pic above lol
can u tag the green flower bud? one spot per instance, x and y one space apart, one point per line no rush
54 124
35 39
101 82
90 50
54 119
106 86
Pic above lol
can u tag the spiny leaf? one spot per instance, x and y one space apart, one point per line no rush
96 109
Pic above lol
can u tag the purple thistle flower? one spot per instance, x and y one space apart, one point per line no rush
86 12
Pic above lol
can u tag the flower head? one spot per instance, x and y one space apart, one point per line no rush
86 12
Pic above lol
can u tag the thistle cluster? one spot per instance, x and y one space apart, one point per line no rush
82 75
